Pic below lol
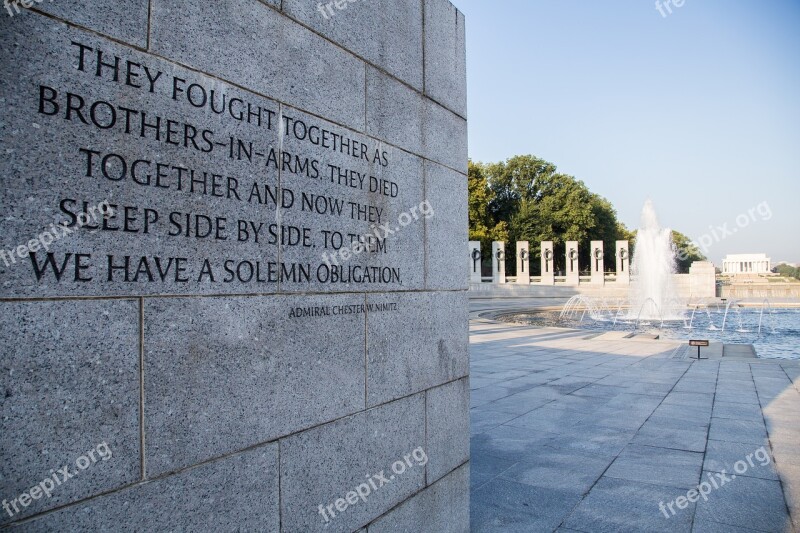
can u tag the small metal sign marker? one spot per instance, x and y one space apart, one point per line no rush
699 343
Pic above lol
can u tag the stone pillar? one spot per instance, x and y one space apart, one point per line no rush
548 274
702 280
572 264
475 261
623 263
498 262
598 276
523 263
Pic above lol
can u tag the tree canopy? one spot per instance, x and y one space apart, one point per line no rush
686 251
482 225
787 271
525 198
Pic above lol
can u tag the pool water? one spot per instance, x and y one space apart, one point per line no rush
779 336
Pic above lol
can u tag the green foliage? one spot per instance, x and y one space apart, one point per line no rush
525 198
788 271
686 252
531 201
482 225
624 234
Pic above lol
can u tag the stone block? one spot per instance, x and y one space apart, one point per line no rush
235 493
254 46
69 384
358 25
223 374
179 199
445 55
547 256
448 428
623 260
123 20
395 112
447 229
572 264
440 507
444 137
597 264
322 467
375 198
399 115
399 364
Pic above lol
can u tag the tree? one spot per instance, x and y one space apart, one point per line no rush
513 181
529 200
482 225
787 271
686 252
624 234
559 210
525 198
537 202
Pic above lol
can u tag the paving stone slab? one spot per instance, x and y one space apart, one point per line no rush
484 468
647 464
689 398
509 443
591 439
747 502
517 405
702 525
558 469
737 411
548 419
482 420
618 506
752 460
691 439
503 505
744 431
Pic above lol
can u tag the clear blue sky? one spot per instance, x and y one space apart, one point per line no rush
699 111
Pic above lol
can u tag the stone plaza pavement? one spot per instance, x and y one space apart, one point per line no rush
577 434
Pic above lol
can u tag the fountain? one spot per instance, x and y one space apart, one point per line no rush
619 312
580 303
727 309
695 307
691 319
765 305
653 305
654 265
656 314
711 326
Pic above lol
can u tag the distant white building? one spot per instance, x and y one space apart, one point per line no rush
746 264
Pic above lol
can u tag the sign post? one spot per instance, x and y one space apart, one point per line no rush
699 343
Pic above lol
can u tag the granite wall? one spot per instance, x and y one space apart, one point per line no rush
231 281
